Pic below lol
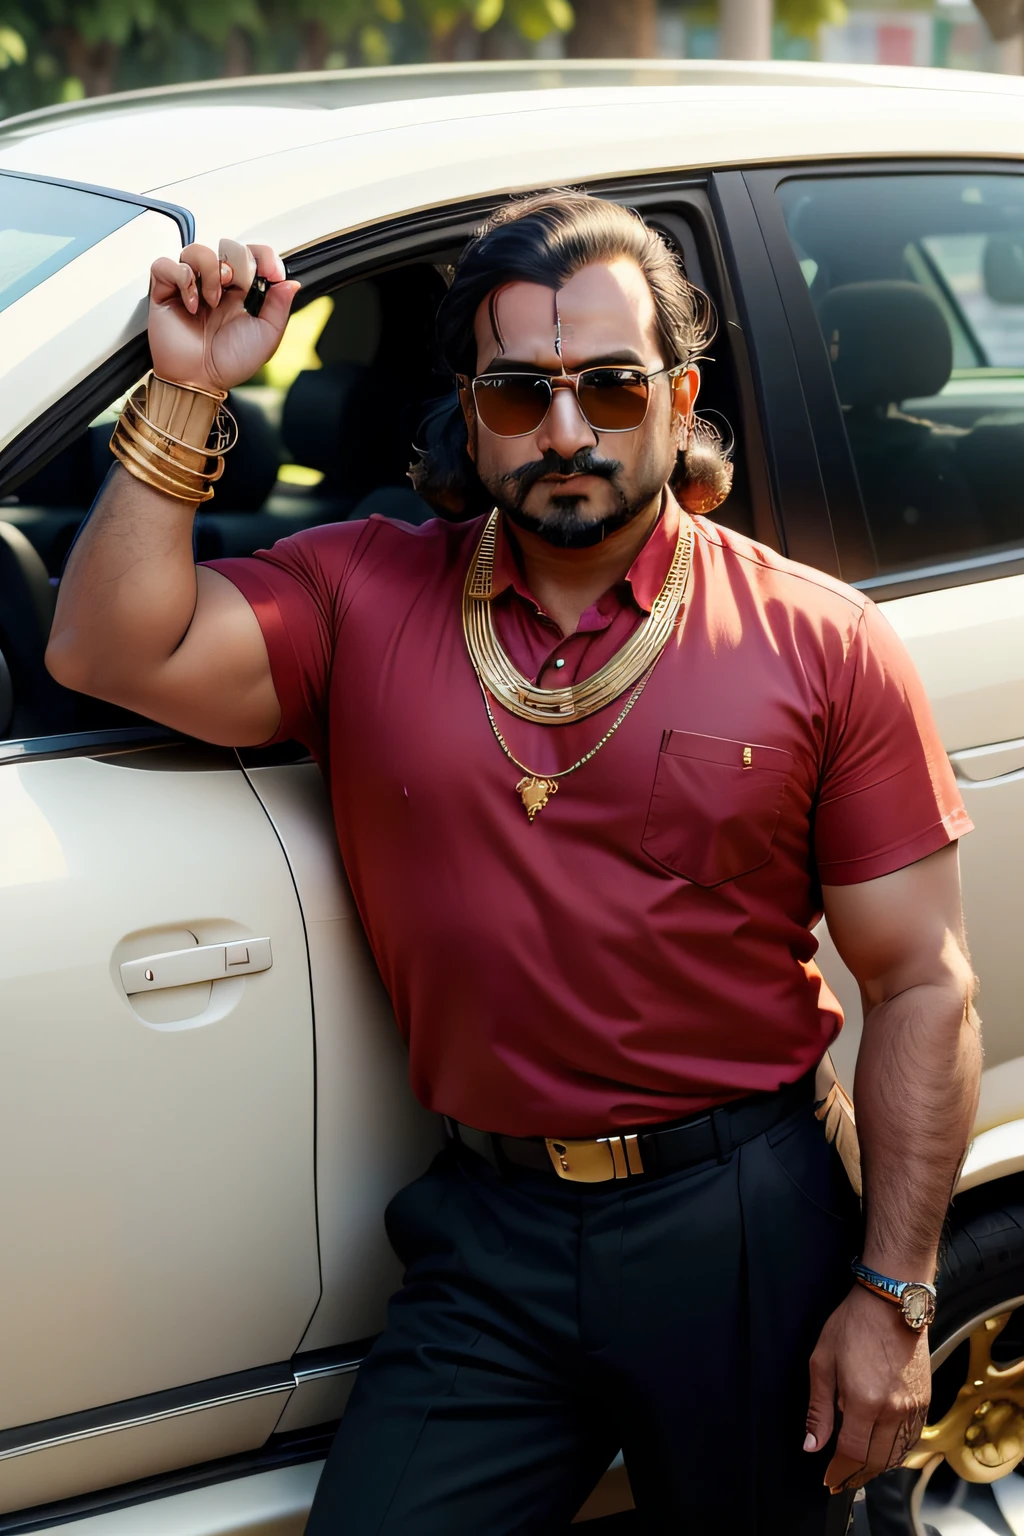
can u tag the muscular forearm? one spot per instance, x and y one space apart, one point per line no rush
129 592
916 1093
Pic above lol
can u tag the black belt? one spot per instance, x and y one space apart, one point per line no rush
644 1153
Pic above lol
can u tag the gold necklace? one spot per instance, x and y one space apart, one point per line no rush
560 706
535 789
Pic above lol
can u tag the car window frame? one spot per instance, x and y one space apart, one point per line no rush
844 507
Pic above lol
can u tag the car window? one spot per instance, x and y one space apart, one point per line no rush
43 226
917 283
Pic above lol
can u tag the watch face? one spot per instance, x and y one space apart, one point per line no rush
918 1307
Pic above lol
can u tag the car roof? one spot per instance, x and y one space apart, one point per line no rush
327 90
256 165
140 140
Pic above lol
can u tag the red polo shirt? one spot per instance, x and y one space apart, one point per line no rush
643 950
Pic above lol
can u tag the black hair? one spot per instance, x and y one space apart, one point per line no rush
547 238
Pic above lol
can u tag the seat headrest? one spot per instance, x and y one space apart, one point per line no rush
250 469
26 596
315 414
354 417
887 341
353 330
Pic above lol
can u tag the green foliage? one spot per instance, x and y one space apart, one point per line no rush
802 18
13 48
59 50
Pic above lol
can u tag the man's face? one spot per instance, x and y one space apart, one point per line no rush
567 482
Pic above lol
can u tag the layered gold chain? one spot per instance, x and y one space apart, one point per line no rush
629 668
561 706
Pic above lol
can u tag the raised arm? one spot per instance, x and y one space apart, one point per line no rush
916 1094
136 623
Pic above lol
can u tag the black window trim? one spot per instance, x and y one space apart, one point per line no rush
320 266
181 216
792 454
844 507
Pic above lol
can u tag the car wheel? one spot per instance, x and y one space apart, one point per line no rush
963 1476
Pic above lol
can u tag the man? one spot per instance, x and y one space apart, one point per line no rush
597 768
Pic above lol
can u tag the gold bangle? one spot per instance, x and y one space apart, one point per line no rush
150 475
193 389
170 468
144 469
226 438
181 410
146 452
171 437
197 461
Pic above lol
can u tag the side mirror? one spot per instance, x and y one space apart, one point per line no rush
1002 268
6 696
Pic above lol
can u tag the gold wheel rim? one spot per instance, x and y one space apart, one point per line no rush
981 1435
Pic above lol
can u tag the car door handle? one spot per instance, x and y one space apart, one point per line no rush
204 962
992 762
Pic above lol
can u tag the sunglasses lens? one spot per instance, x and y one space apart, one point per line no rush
511 404
613 399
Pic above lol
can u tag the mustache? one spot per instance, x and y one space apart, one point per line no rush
584 462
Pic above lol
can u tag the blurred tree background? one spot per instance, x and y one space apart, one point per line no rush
61 50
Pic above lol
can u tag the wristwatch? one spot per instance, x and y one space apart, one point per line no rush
915 1298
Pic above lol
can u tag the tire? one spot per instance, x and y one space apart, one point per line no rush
982 1275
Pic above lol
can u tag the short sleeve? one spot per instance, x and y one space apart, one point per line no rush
887 795
295 589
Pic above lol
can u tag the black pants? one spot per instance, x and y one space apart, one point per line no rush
543 1325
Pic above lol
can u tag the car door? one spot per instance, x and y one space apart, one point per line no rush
159 1260
899 311
204 1103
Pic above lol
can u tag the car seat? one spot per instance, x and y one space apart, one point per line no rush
37 705
356 416
887 342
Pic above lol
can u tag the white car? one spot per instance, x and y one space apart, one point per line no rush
203 1103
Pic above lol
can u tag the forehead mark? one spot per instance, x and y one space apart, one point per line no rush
558 328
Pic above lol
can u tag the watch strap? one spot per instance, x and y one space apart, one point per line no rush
884 1285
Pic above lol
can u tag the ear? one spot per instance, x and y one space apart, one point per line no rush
468 413
685 387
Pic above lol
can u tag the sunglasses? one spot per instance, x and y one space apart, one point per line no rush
610 399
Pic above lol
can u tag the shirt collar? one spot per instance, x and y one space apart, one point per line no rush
645 577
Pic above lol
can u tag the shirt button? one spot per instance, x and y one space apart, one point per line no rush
560 662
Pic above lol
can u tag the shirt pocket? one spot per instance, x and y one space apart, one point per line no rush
715 806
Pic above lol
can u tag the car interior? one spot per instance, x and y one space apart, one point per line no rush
918 286
326 434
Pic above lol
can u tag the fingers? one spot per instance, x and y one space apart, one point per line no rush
907 1435
173 279
821 1406
849 1467
869 1444
277 305
268 263
242 263
249 261
209 272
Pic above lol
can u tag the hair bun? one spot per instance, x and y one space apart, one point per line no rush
704 473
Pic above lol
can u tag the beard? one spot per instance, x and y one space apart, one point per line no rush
565 525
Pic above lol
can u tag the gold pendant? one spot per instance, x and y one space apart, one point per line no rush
535 794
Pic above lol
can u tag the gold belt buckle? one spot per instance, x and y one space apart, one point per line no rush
596 1160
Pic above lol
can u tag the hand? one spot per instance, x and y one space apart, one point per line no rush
208 339
877 1369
